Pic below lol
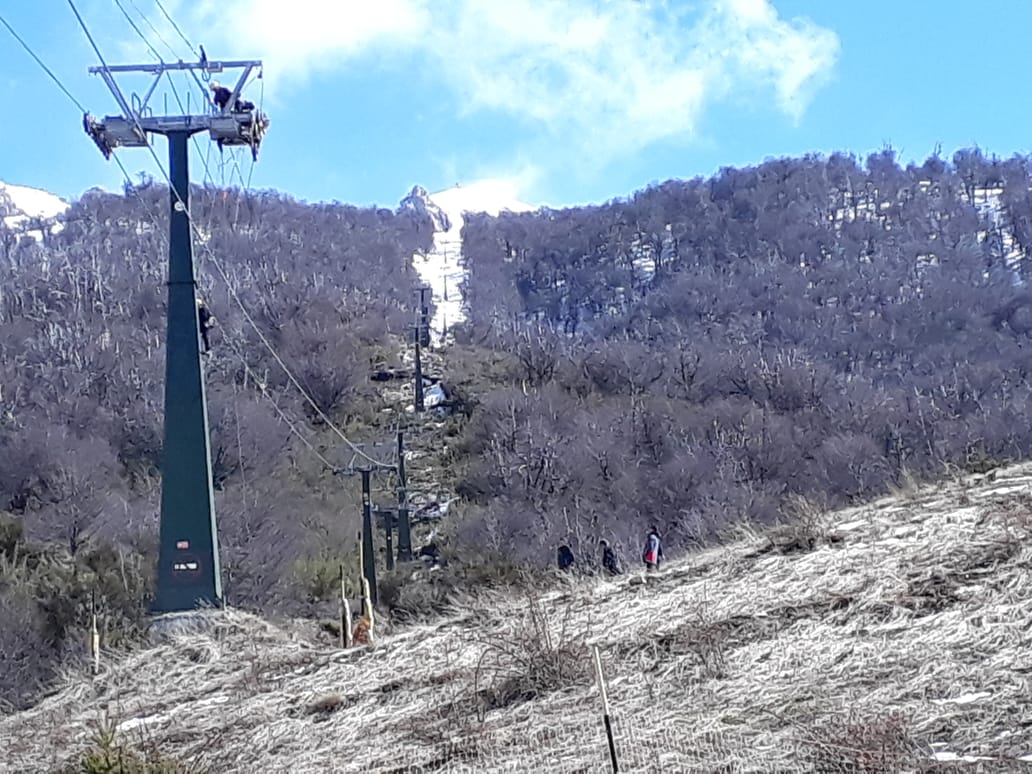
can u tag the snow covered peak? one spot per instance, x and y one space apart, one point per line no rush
443 268
419 201
491 196
20 204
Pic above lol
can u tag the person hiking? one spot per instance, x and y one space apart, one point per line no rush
565 557
652 554
610 561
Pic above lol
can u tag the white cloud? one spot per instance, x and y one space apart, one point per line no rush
606 76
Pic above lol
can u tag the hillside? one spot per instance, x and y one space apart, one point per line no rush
703 354
888 637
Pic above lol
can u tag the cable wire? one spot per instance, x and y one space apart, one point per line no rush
293 428
89 37
46 69
155 30
138 31
175 26
154 52
237 351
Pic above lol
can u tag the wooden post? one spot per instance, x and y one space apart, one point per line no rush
605 709
367 604
364 628
345 614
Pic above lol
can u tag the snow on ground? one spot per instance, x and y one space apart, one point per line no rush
442 267
19 204
33 201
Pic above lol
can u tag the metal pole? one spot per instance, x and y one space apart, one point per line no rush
368 557
389 536
189 574
419 369
424 315
404 529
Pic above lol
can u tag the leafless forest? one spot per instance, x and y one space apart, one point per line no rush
693 357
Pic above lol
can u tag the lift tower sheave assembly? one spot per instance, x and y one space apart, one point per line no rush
189 574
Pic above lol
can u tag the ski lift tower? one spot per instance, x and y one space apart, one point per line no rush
189 574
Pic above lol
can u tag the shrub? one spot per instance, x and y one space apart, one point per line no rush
530 659
109 755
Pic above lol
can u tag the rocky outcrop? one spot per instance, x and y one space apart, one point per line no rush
419 201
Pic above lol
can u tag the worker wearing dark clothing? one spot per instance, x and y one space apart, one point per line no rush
205 321
652 554
220 95
610 562
565 558
430 554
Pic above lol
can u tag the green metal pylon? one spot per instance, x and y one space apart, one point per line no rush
189 573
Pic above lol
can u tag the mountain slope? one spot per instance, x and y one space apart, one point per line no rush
881 638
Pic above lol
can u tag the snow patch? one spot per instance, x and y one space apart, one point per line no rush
442 268
967 698
141 722
32 202
952 757
21 205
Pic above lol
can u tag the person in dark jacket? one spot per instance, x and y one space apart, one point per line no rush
205 321
610 561
565 557
652 553
220 95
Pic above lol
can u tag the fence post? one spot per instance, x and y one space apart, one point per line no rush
605 709
94 635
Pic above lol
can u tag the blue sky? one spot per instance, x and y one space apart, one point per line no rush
573 101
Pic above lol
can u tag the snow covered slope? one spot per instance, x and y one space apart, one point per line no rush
20 205
442 267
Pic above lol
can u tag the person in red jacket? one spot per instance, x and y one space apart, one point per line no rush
652 553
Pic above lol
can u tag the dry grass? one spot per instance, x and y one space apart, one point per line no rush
905 637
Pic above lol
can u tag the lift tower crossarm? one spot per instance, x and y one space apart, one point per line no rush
156 68
161 68
229 125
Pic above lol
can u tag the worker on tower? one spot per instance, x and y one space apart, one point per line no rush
220 96
205 322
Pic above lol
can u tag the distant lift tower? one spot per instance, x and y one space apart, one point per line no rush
189 574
